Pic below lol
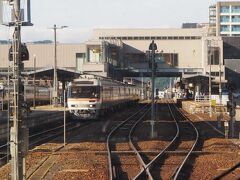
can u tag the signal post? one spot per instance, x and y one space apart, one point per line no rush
18 122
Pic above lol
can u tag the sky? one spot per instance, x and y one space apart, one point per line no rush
82 16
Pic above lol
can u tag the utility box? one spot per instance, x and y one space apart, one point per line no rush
6 10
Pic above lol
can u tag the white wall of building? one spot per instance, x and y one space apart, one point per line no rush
66 55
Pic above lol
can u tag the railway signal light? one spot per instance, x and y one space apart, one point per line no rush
231 108
153 46
24 53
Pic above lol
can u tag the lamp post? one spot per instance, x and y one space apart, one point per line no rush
210 78
55 78
34 83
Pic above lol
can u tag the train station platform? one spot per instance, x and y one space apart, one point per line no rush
39 111
40 117
48 108
193 107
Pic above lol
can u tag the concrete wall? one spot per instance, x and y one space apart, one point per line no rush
66 55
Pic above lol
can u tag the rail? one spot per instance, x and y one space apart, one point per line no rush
151 164
178 170
146 170
57 131
111 177
132 145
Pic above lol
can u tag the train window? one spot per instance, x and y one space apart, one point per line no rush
84 92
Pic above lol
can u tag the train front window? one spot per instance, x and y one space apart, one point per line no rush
85 92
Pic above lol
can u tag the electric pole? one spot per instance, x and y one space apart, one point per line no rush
55 79
55 76
220 82
153 48
17 158
18 123
210 77
18 53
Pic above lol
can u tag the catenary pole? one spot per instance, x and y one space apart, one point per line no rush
17 127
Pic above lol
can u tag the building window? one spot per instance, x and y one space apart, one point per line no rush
224 28
214 56
224 18
174 60
94 54
236 28
235 18
80 59
170 59
216 74
224 9
235 9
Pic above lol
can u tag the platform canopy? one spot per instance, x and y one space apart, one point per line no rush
63 74
196 79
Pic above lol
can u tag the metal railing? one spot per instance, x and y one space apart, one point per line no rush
202 98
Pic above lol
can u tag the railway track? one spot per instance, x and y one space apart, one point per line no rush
119 134
41 137
40 170
142 165
85 156
165 165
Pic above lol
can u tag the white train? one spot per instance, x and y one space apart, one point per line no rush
90 97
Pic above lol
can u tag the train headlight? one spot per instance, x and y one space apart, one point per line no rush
92 105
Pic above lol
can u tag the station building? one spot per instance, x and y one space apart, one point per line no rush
195 50
116 53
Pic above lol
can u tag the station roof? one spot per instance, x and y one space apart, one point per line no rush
197 78
64 74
